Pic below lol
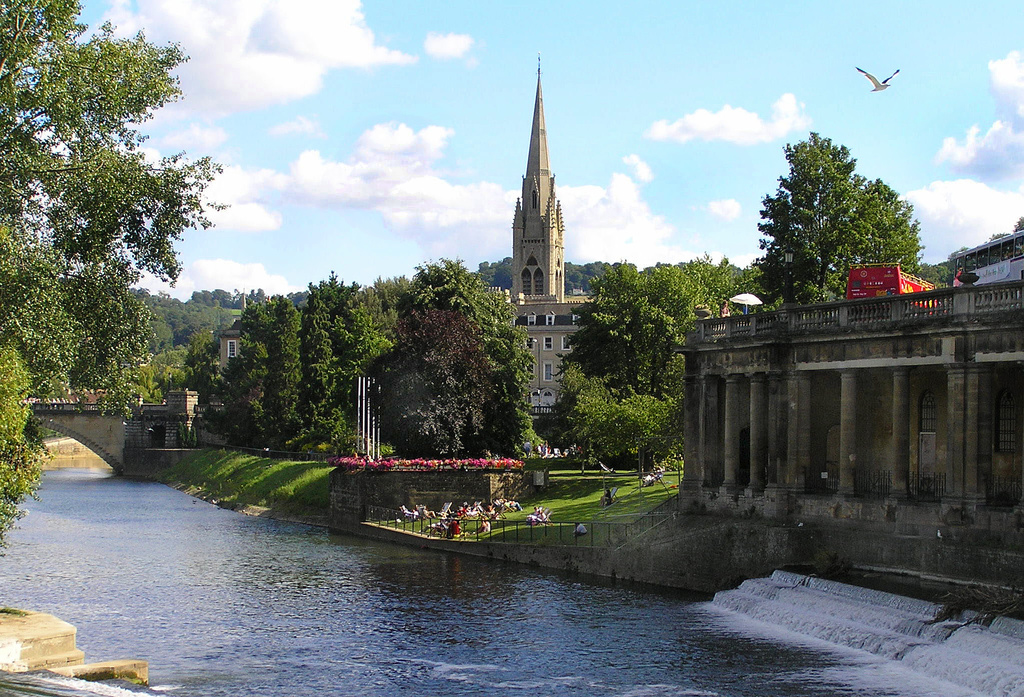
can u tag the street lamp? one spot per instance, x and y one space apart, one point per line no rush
788 297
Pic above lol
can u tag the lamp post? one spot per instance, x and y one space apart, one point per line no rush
788 296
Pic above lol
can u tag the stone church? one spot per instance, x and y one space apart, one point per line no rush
538 268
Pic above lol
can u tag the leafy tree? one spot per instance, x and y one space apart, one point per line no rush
831 217
434 384
448 287
82 210
497 274
283 373
20 450
1019 225
202 365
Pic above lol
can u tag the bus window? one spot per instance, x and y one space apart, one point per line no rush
1018 246
1006 252
971 262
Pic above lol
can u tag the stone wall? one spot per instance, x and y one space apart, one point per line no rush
353 493
148 463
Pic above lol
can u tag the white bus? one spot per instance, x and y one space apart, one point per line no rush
993 262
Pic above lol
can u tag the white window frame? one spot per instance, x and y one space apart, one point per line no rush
531 319
549 319
549 371
549 343
565 342
575 319
232 348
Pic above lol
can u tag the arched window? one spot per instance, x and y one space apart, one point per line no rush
535 198
929 414
527 282
538 282
1006 424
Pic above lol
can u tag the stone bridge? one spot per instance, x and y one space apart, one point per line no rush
117 439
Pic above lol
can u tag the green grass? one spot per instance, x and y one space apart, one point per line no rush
238 479
13 611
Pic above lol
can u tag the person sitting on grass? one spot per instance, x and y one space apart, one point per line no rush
580 530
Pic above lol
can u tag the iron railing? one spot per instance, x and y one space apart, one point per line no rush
822 481
872 483
926 487
1003 491
599 533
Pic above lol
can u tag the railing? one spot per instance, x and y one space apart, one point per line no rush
867 313
65 407
926 487
872 483
599 533
1003 491
279 454
815 483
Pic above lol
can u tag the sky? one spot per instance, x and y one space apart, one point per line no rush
365 139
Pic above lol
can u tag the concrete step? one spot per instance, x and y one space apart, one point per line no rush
130 669
33 640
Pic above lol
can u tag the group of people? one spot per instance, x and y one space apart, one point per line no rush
542 449
449 523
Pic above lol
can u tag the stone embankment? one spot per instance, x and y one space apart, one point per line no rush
37 641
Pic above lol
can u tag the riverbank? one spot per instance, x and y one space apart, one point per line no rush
258 486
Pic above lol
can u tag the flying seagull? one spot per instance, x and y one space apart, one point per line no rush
879 86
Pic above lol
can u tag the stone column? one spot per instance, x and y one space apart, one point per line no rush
978 434
955 429
900 431
732 431
758 430
847 431
692 446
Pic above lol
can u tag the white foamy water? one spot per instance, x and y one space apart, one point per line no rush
982 660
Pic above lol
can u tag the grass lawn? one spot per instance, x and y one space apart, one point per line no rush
240 479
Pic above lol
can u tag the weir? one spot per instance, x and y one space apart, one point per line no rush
988 660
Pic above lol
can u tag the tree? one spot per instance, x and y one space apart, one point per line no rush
82 210
831 217
202 365
449 288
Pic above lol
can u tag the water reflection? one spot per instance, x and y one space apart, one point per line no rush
222 604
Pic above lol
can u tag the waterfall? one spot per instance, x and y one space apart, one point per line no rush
988 660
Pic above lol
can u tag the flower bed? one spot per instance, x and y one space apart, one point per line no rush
424 465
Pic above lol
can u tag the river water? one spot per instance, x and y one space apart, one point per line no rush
224 604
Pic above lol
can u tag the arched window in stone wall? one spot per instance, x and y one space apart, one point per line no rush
527 282
928 418
1006 424
538 282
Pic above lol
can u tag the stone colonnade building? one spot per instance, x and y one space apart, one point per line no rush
538 268
834 408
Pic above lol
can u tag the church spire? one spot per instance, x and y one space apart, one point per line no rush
537 163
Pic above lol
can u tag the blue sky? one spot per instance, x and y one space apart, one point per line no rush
368 138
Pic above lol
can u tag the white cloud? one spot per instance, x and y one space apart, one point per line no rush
248 54
962 213
641 170
246 195
210 274
734 125
196 138
999 154
447 46
300 125
727 209
615 224
1007 82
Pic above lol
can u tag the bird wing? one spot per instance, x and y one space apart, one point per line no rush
874 80
886 80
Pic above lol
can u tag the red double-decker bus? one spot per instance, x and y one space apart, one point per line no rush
874 280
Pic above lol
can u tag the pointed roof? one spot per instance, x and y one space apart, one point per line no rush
537 163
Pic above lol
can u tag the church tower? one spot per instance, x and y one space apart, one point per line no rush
538 264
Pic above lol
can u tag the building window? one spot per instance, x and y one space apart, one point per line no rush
530 342
549 343
527 282
565 342
232 348
549 371
575 319
531 319
1006 423
549 319
929 414
538 282
533 369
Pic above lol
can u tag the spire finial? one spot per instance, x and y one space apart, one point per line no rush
538 65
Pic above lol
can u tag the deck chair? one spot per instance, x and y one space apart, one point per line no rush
409 515
610 498
605 467
444 511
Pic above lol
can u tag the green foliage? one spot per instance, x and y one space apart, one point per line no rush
495 417
831 217
174 322
20 453
201 365
577 276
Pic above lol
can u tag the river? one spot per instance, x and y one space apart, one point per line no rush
224 604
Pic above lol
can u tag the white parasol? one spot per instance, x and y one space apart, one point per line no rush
745 299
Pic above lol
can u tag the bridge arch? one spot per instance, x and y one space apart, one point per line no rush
103 434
